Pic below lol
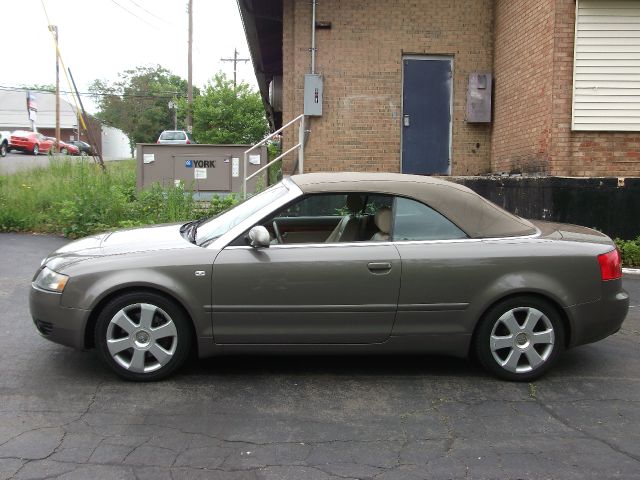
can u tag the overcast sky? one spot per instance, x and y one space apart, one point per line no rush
99 38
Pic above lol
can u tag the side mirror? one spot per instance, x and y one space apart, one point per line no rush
259 237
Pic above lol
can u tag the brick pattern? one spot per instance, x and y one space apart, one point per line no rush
361 60
533 66
574 153
523 70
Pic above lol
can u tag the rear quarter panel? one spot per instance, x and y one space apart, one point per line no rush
447 286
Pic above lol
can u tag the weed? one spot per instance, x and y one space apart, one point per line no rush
75 198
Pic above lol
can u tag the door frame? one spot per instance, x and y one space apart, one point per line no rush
442 58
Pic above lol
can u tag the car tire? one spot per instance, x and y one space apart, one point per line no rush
36 149
520 338
64 151
3 150
143 336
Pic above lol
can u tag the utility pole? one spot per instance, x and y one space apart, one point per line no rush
235 61
54 29
174 106
190 67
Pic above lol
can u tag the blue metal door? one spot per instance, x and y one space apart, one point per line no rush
426 109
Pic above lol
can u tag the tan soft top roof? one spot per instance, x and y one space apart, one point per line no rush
478 217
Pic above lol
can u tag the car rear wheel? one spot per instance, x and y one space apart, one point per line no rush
36 149
3 150
520 338
64 151
143 336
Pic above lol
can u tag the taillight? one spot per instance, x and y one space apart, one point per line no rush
610 265
188 141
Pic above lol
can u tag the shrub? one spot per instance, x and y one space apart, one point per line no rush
75 198
630 251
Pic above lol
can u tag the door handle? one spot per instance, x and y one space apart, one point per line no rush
379 267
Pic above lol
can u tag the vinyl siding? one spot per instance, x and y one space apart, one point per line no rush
606 87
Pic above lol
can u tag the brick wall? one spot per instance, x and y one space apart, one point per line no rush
533 69
523 71
582 153
361 60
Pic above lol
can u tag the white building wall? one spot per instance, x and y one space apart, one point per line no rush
115 144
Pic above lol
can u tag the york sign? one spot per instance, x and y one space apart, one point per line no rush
200 164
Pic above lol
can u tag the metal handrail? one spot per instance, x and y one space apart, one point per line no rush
299 145
279 157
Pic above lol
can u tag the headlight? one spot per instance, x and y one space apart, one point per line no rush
47 279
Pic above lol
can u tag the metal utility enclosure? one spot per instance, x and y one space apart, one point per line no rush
205 169
479 98
313 95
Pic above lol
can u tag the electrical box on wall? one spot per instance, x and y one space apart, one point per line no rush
479 98
313 95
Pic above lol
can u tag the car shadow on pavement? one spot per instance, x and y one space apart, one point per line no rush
334 365
86 365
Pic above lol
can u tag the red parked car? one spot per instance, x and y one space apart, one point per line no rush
30 142
66 148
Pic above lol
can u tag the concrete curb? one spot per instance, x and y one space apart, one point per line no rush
631 271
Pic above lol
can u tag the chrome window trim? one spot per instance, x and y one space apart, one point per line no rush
400 242
293 193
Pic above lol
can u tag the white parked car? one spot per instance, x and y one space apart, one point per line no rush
176 137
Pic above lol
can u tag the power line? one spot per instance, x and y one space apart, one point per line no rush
137 16
150 13
98 94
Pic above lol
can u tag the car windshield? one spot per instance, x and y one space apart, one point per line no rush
172 136
217 226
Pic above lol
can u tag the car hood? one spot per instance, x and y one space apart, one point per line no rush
120 242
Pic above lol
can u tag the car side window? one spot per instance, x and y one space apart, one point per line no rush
341 217
416 221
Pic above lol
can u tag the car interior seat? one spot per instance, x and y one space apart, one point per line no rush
382 220
349 226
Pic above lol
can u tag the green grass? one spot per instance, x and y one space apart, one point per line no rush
74 198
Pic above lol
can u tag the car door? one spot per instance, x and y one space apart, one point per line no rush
306 293
442 270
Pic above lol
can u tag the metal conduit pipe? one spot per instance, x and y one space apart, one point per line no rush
313 36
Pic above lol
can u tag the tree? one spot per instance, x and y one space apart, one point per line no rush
137 103
224 114
37 87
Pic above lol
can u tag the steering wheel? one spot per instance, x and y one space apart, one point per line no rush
276 230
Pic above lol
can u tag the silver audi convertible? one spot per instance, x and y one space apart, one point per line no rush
336 263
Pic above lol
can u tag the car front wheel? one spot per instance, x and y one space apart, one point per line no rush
143 336
3 150
520 338
36 149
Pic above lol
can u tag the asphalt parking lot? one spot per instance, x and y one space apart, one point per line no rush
63 415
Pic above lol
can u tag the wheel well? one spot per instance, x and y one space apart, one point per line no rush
561 313
89 331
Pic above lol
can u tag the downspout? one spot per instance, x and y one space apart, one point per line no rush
313 36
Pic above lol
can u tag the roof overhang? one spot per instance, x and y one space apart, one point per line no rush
262 21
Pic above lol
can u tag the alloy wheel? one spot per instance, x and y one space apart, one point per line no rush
141 338
522 339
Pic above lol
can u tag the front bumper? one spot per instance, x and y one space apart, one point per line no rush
594 321
57 323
